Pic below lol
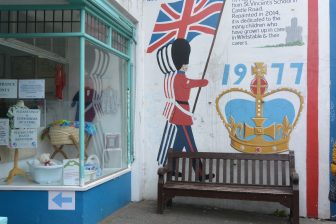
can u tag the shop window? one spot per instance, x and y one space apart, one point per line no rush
42 74
29 80
106 107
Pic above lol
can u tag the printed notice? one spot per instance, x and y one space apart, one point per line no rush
27 118
8 88
4 131
23 138
31 89
71 172
266 23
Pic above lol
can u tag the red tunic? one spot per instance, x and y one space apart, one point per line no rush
182 87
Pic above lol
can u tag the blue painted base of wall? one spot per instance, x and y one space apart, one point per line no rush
92 206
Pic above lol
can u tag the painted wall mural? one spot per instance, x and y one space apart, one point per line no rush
177 24
255 124
240 82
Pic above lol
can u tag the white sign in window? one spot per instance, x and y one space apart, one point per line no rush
4 131
27 118
31 89
23 138
8 88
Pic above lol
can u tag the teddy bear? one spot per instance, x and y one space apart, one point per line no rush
45 159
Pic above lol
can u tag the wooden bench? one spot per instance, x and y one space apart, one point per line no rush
257 177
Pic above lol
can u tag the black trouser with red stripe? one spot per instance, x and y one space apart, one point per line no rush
185 139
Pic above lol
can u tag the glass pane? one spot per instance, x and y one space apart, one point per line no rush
28 41
12 27
44 43
106 109
13 16
67 27
75 27
22 28
58 83
40 15
48 27
4 27
49 16
76 15
58 27
67 15
31 28
40 27
22 16
4 16
119 42
59 46
58 15
31 15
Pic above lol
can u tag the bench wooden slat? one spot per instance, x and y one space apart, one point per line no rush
177 164
231 170
224 170
261 171
253 172
283 172
246 176
268 172
183 168
217 170
197 168
276 172
210 170
239 171
203 170
228 188
190 169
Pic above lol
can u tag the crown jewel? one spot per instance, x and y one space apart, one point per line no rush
259 125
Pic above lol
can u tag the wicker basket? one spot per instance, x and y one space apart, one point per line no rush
60 135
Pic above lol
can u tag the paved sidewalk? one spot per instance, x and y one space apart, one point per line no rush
145 213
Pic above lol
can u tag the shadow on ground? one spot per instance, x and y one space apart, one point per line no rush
144 212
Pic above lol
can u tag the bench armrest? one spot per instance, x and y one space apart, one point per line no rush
162 170
294 178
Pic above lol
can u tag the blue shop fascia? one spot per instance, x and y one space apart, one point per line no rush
66 110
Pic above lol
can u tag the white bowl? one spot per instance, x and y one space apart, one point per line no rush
46 174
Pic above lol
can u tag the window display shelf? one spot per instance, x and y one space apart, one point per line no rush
24 184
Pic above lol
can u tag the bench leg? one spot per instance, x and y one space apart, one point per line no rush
170 203
160 206
295 217
160 202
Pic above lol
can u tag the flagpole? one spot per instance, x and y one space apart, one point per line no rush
209 55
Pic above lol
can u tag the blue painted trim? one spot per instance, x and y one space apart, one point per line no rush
82 100
130 120
332 92
92 206
103 200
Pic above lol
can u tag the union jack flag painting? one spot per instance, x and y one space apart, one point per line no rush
185 19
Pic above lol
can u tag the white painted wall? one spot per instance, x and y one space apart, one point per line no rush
324 110
208 130
134 11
